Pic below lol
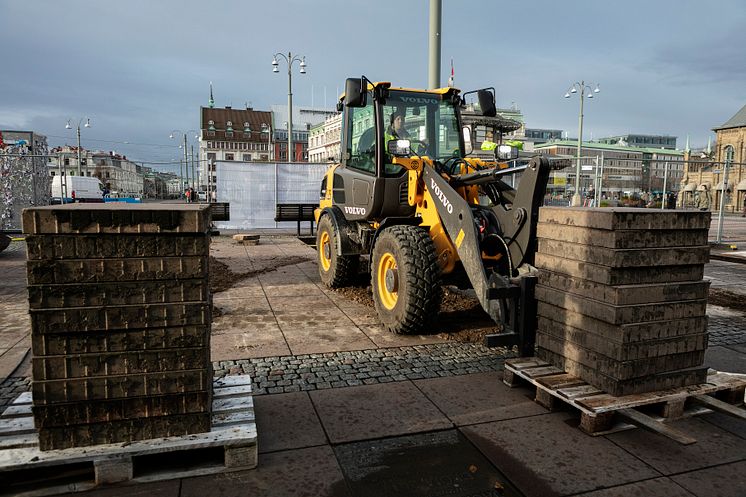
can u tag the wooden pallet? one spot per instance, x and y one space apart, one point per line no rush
231 445
601 413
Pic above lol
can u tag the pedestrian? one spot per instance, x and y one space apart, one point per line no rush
187 195
743 214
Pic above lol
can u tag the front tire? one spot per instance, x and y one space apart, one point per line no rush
405 279
335 270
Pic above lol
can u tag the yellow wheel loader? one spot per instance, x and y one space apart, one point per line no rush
406 195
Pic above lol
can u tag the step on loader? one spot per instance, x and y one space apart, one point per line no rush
405 194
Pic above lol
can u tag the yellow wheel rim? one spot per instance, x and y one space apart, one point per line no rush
388 296
324 247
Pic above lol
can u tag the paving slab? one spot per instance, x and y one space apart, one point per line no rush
657 487
311 472
728 423
384 338
478 398
725 359
429 464
244 342
721 481
241 307
714 446
548 455
287 421
168 488
317 339
12 358
376 411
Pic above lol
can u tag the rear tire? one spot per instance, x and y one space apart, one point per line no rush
405 279
335 270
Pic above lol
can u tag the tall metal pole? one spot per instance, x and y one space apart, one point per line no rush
80 167
290 107
194 173
665 185
722 202
434 52
576 200
186 161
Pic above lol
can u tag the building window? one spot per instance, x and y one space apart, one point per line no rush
211 156
228 156
52 173
229 134
83 162
67 161
247 157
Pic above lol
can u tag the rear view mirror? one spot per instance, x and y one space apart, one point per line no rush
354 94
400 148
487 103
468 146
506 152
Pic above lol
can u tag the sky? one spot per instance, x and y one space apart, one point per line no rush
141 69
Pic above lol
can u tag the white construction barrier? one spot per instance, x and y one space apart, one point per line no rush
253 189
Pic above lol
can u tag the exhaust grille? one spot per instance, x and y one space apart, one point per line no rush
403 191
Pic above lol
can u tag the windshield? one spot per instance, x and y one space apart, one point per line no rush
427 120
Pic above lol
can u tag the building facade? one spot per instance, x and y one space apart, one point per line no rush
620 171
120 176
703 171
324 140
304 118
641 141
228 134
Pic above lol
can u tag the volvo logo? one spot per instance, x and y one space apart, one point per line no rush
441 196
355 211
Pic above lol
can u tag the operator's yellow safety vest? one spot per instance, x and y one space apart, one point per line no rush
489 145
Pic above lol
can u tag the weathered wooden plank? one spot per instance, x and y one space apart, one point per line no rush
563 380
645 421
525 363
720 406
542 371
571 393
16 426
17 410
229 404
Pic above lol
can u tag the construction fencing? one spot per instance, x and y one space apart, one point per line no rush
254 189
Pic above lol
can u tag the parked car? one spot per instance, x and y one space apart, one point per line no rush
202 196
76 189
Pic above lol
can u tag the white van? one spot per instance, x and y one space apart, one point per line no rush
78 189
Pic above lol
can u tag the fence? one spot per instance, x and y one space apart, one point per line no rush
253 190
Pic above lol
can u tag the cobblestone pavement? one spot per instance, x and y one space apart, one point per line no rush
725 327
364 367
283 374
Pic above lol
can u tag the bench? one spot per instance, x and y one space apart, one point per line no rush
295 212
220 211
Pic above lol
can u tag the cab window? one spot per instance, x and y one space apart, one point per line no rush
361 137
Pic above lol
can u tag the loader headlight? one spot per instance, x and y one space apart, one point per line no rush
400 148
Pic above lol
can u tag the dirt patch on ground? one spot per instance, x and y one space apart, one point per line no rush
222 278
724 298
461 315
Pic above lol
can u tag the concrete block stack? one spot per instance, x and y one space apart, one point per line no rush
621 300
120 311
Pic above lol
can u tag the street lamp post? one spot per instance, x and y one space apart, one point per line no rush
580 89
268 129
289 58
186 157
86 125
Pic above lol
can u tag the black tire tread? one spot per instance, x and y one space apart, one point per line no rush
422 303
343 268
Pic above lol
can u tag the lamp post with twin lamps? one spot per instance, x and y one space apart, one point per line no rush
86 125
186 157
580 89
289 58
